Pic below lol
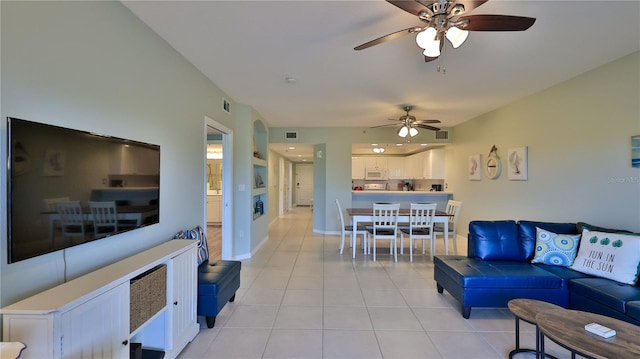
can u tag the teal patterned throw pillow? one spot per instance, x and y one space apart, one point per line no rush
555 249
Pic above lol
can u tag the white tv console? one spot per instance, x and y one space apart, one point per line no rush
88 317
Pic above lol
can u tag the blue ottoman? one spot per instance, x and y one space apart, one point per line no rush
217 285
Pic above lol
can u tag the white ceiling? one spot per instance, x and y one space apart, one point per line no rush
249 48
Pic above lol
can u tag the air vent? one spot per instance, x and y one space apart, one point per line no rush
226 106
291 135
442 135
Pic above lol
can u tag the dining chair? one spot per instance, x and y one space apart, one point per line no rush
348 229
453 210
105 218
421 216
385 227
72 219
50 203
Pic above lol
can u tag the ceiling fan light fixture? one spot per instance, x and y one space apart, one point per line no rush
413 131
456 36
378 150
426 37
403 131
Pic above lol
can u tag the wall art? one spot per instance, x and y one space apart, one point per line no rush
474 168
517 166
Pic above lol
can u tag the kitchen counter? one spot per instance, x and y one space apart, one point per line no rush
405 198
402 192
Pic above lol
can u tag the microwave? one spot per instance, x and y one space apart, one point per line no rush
376 174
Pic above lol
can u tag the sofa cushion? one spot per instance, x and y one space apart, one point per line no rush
581 226
633 309
527 233
609 255
474 273
555 249
495 240
606 292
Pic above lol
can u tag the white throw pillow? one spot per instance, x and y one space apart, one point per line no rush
555 249
613 256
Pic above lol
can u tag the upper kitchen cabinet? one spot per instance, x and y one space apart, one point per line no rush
375 162
396 166
434 164
357 168
414 166
135 160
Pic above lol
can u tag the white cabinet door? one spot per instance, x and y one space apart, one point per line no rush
214 208
415 166
357 168
99 328
396 167
434 165
183 301
375 162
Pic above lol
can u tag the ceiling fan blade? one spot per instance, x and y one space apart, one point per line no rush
389 125
412 7
385 38
427 127
418 122
471 4
497 22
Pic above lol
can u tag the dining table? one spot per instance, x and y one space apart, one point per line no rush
360 215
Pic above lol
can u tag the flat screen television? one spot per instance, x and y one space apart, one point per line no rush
50 165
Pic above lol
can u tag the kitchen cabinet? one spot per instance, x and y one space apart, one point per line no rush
377 162
414 166
396 166
90 316
214 208
434 165
357 168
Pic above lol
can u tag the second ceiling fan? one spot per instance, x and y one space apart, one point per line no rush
445 19
409 124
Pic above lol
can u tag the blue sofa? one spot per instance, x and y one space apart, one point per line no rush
498 268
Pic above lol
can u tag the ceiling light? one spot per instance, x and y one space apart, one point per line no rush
456 36
292 148
378 150
412 132
424 144
399 144
403 131
374 144
426 37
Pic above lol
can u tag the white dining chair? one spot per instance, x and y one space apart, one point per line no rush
421 216
385 227
346 229
105 218
72 219
453 210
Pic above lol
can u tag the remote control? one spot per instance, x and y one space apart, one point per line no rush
600 330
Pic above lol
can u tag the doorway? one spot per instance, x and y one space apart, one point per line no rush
304 185
218 193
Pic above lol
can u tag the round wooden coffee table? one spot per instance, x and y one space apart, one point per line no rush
566 328
527 309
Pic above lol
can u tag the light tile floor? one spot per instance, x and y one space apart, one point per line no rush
299 298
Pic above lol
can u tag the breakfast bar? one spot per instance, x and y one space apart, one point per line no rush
366 199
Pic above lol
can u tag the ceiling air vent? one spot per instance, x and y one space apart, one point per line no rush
442 135
291 135
226 106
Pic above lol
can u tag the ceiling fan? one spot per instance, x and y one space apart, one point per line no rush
408 123
444 19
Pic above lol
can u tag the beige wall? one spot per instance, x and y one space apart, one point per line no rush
578 137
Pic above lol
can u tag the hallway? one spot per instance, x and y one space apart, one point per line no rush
299 298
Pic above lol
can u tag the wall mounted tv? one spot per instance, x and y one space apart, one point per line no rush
51 167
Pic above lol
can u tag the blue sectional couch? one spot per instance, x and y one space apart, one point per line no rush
498 268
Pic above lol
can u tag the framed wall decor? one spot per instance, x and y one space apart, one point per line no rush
474 171
517 166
